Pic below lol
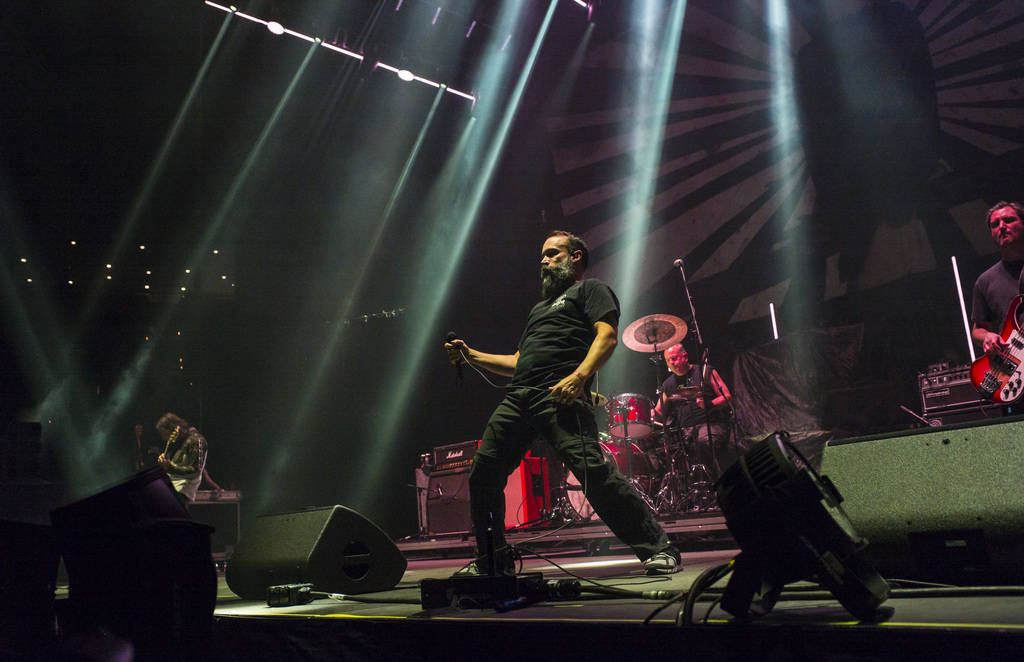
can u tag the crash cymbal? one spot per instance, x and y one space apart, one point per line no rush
654 333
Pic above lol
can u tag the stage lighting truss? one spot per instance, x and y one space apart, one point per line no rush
279 29
790 527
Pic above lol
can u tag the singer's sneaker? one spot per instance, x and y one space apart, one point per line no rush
663 563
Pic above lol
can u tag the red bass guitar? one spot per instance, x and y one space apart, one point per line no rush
1000 376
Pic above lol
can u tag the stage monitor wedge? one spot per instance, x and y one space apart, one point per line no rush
939 504
334 548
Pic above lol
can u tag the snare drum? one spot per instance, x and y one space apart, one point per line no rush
614 453
629 416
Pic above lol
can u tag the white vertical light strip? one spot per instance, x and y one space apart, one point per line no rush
963 310
775 326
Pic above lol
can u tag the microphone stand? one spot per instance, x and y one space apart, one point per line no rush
706 373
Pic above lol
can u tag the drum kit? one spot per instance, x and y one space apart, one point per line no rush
659 463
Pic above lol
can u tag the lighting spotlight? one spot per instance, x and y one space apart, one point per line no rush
406 75
789 525
275 27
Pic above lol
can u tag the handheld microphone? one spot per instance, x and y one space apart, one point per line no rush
458 365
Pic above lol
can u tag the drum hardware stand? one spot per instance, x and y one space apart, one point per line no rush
628 450
668 498
679 490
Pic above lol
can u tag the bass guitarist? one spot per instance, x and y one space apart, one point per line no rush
997 286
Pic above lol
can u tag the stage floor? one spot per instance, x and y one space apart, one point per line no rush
955 623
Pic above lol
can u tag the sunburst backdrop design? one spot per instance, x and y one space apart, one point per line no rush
730 187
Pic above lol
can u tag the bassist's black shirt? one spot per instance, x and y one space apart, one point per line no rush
993 291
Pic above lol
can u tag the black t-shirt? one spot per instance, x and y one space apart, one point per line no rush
688 413
560 330
993 291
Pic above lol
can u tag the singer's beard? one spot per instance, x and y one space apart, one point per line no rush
556 279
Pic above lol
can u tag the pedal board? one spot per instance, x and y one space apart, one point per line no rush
480 591
501 592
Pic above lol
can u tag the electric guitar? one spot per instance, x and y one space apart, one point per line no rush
1000 377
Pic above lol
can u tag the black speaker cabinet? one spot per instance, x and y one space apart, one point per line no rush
942 504
28 580
138 566
448 502
334 548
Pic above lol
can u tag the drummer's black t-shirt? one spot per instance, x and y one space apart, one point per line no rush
560 330
688 413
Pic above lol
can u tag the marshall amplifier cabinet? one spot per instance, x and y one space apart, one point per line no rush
944 387
455 456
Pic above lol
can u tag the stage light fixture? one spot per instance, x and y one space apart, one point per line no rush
790 527
273 26
406 75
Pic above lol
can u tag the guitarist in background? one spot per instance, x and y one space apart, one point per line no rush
184 456
997 286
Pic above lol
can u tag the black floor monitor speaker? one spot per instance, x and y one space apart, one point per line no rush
940 504
334 548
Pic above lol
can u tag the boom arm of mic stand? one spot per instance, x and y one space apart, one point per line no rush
689 299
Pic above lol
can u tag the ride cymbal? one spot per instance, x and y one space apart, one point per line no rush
654 333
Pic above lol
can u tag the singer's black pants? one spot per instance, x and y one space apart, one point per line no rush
570 429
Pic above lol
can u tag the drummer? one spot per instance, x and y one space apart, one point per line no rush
683 407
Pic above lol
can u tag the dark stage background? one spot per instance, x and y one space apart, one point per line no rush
908 127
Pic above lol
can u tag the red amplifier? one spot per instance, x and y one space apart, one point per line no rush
528 492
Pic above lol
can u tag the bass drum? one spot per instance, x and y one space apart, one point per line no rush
614 453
